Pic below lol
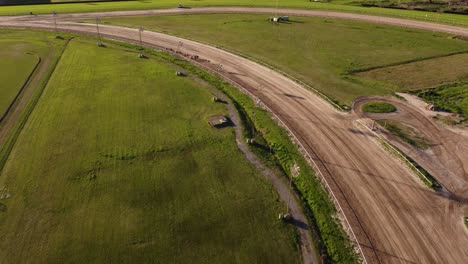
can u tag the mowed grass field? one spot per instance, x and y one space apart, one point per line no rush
423 74
117 164
342 6
321 52
17 61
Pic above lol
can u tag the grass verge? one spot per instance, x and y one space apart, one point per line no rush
405 133
422 174
452 98
378 107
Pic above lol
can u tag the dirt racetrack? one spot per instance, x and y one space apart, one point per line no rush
447 155
396 219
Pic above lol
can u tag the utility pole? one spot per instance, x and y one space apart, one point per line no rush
179 45
55 14
295 172
276 15
140 31
253 126
99 33
289 196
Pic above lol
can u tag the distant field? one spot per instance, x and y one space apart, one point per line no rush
42 2
16 65
117 164
423 74
318 51
302 4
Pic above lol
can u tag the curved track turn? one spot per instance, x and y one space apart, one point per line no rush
394 217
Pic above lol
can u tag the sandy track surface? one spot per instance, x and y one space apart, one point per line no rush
395 218
447 156
462 31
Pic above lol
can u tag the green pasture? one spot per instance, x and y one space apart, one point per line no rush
321 52
378 107
300 4
18 57
117 164
423 74
453 98
406 133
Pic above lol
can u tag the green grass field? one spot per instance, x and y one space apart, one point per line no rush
378 107
17 60
153 4
321 52
117 164
406 133
423 74
453 98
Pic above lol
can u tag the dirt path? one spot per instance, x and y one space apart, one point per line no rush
309 255
394 217
10 120
462 31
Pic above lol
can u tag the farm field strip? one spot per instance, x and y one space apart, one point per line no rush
132 171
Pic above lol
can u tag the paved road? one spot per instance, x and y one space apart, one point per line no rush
395 218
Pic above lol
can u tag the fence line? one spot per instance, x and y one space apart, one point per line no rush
409 163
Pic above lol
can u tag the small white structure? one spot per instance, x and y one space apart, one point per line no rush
279 19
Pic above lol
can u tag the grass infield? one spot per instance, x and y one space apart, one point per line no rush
118 164
378 107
